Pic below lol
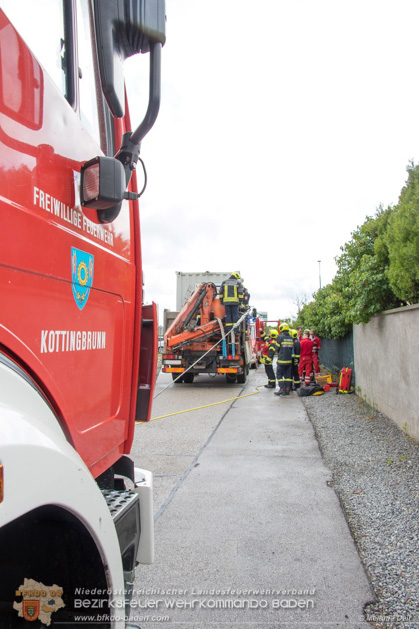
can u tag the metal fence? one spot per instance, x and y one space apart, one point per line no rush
338 353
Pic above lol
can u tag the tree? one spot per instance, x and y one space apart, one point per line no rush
361 287
300 300
326 314
377 269
402 241
362 277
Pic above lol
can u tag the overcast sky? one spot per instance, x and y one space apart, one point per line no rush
283 124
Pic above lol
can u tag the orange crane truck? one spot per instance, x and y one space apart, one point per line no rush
196 341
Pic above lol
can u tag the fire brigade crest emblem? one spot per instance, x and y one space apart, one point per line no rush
30 609
81 275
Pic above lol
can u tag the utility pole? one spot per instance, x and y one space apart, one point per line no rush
320 275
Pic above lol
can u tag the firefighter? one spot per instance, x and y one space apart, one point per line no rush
268 354
230 292
265 348
295 360
245 297
306 358
316 348
285 348
264 334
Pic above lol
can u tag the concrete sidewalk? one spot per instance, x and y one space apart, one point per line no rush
254 536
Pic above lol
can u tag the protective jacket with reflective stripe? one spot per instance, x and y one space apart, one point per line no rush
297 350
229 293
285 348
271 349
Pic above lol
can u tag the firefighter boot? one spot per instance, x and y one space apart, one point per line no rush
281 388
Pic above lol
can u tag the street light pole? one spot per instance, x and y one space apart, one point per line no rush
320 275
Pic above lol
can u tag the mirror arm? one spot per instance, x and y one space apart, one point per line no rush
129 152
154 94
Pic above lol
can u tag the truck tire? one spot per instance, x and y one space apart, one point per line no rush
231 378
242 377
188 378
179 379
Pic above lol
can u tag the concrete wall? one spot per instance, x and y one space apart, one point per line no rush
387 365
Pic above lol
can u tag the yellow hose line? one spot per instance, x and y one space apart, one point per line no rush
188 410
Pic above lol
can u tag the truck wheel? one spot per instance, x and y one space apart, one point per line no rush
179 380
231 378
242 377
188 378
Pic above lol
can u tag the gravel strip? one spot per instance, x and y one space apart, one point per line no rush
374 469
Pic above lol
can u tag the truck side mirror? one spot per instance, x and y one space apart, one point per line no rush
125 28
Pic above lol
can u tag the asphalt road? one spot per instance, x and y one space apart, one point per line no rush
248 532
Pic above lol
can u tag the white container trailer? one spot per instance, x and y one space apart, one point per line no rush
187 283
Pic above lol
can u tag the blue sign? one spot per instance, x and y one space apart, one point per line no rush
82 275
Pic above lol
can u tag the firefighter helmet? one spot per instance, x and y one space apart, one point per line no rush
273 334
294 334
284 326
236 275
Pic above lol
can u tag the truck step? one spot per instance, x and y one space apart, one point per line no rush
125 510
119 502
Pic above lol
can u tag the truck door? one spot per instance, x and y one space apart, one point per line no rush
67 280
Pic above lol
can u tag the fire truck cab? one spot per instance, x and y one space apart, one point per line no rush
78 347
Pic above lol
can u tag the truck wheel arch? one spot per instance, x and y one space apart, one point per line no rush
50 545
61 496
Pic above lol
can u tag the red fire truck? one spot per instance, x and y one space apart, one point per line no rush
263 325
78 347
